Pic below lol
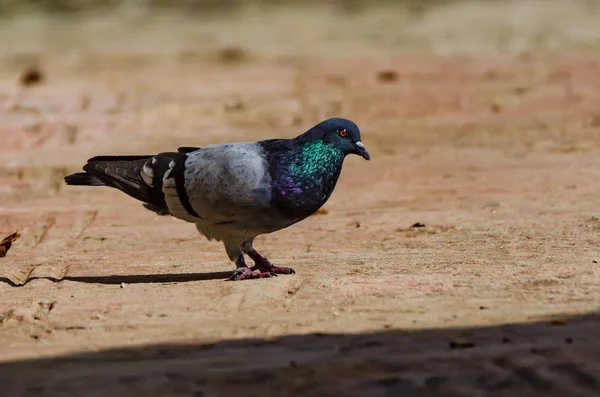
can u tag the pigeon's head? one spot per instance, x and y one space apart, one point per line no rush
343 134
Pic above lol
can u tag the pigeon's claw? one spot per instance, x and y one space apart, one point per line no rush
245 273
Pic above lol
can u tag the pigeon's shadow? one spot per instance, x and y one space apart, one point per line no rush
129 279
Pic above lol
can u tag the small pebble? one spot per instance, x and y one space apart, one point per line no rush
31 76
235 105
387 76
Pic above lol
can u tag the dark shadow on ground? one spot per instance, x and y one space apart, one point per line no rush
552 358
128 279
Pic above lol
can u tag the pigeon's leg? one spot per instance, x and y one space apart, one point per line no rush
261 263
243 272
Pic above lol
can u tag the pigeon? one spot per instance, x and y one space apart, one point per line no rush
237 191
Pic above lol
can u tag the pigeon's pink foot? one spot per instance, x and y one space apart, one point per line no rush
245 273
275 270
263 265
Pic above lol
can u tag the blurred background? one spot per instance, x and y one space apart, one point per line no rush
270 64
309 27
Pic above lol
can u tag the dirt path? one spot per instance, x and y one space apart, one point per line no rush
497 156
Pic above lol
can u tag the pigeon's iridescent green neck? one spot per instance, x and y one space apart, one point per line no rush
315 159
307 176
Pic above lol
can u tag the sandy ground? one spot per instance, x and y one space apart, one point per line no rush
497 155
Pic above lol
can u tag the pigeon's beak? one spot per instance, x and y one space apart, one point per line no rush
360 149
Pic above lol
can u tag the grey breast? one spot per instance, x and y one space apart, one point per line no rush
228 182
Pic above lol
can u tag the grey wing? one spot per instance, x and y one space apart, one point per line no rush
227 183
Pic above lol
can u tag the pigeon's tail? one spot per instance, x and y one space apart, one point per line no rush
83 179
123 173
119 172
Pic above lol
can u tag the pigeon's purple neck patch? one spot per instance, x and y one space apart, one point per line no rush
287 187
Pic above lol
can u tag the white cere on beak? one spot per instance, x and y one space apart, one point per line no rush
360 144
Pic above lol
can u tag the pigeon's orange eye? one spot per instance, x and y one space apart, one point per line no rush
343 132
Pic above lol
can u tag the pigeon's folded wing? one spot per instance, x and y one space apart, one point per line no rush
226 183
